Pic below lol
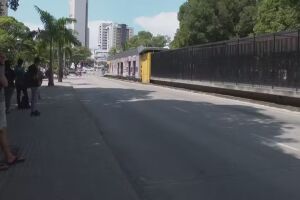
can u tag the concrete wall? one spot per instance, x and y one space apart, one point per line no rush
284 96
115 66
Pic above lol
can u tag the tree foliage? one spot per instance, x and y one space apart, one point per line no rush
55 44
16 39
204 21
80 54
146 39
278 15
63 37
56 34
113 51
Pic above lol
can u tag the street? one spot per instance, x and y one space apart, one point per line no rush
181 145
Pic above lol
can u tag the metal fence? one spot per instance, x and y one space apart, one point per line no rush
268 60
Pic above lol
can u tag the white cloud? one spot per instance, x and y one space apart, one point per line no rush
165 23
94 31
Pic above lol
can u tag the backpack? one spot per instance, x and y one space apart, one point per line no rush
31 77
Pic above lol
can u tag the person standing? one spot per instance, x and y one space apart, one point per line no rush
10 158
21 86
9 90
33 83
40 79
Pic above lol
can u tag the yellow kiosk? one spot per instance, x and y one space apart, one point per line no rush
145 62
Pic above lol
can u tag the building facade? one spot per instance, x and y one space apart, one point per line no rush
103 36
132 64
113 35
4 8
100 56
125 64
79 11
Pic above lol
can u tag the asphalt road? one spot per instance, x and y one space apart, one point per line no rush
180 145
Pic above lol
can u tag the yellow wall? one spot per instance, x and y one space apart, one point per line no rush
145 62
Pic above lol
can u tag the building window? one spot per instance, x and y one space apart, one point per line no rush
134 68
129 68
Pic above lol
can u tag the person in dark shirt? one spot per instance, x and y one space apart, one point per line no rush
21 86
33 83
9 90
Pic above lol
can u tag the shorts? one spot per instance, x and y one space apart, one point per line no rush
3 122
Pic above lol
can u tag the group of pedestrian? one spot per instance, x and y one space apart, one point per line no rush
19 79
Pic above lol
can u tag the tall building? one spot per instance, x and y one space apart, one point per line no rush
79 11
103 36
4 8
113 35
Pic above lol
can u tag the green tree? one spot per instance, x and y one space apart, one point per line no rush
113 51
48 35
146 39
56 34
16 39
42 50
204 21
63 36
277 15
247 21
160 41
80 54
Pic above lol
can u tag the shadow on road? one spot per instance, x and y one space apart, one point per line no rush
174 149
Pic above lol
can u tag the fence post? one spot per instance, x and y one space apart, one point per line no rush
238 63
298 63
254 58
298 45
273 57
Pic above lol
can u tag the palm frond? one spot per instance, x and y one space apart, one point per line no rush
65 21
69 51
43 35
47 19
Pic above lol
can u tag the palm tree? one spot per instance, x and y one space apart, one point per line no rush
48 34
56 33
63 38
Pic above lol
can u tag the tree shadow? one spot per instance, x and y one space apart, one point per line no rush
171 148
175 149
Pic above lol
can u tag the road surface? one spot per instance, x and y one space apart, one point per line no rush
180 145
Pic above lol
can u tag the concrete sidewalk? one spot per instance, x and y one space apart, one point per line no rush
67 158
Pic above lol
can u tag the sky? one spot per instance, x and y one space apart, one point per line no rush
156 16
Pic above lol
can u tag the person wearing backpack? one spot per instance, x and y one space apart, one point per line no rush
33 83
23 103
9 90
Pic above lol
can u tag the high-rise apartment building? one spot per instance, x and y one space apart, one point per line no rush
4 8
103 36
113 35
79 11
